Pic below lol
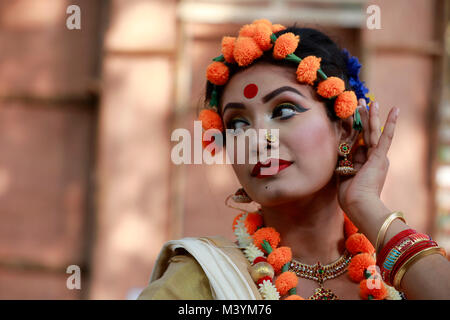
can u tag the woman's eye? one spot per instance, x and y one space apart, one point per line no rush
236 124
284 111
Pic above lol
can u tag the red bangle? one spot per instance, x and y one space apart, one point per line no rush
391 244
398 252
419 246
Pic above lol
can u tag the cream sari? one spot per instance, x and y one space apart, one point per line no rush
222 262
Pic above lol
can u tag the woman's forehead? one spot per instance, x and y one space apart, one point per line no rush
258 80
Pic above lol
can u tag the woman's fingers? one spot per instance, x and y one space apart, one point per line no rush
364 113
382 148
374 125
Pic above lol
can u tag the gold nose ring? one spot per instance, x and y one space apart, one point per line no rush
270 138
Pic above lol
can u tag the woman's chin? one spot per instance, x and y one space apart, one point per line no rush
274 193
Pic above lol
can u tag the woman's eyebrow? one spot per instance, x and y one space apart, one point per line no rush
276 92
233 105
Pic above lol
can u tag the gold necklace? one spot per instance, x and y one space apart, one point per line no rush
320 273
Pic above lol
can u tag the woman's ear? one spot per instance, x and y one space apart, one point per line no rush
347 133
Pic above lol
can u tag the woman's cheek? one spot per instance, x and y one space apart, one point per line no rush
313 144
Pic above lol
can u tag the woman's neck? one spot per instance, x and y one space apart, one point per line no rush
312 227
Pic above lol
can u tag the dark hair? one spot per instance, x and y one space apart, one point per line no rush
312 42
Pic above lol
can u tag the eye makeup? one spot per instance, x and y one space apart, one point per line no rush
287 106
278 113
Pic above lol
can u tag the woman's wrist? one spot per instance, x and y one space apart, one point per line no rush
369 216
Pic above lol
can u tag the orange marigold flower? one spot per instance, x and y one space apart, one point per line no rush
345 104
269 234
277 27
210 119
331 87
246 50
279 257
358 243
247 30
217 73
263 21
286 281
307 69
227 48
377 293
285 44
261 35
358 265
349 227
252 222
293 297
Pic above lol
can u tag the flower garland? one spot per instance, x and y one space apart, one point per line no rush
259 36
260 247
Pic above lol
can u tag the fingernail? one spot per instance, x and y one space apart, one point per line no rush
396 112
376 106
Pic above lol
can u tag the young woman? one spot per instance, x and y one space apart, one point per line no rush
300 244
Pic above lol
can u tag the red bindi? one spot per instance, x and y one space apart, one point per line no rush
250 90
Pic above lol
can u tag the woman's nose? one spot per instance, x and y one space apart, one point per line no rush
267 139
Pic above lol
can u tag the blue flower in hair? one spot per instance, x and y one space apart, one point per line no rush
353 69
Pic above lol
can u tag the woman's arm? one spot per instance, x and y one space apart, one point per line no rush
427 278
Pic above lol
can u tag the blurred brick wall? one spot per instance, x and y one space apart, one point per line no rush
47 131
138 71
400 71
91 183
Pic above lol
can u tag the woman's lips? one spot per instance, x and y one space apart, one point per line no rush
270 168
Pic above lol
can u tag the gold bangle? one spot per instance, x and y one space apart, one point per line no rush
404 268
382 233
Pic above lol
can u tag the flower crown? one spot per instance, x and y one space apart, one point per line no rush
259 36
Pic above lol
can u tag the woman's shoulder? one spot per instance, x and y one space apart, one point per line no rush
179 275
183 279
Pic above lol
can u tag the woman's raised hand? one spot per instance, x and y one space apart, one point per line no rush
370 160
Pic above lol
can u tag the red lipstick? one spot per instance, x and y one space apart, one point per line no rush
270 166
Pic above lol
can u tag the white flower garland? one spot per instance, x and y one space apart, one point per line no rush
251 252
393 294
267 289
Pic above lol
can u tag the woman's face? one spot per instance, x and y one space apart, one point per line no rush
307 138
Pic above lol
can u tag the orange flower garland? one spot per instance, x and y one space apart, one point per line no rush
259 36
246 50
307 69
252 222
228 49
331 87
285 282
375 293
210 120
359 265
285 44
345 104
268 234
358 243
349 227
217 73
279 258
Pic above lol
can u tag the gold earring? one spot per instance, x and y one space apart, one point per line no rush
240 196
270 138
345 166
